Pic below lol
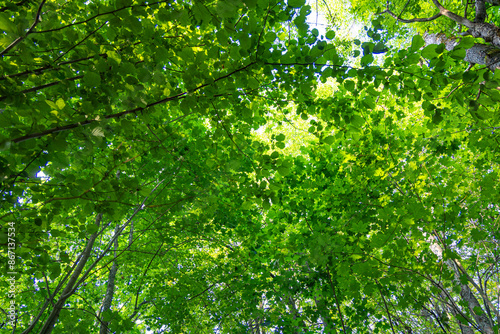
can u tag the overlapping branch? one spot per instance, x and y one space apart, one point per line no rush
30 30
425 19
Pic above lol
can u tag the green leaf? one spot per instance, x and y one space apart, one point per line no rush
143 75
3 237
247 205
467 42
416 43
106 315
284 171
296 3
349 85
330 34
6 24
92 228
437 118
280 145
5 145
253 83
429 51
265 204
60 104
461 319
226 9
92 79
271 36
329 140
380 48
458 53
52 104
55 271
115 56
478 310
367 59
280 137
357 120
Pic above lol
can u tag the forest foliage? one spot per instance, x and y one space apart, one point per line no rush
225 166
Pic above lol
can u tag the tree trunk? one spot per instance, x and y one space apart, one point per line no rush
468 296
110 289
68 290
480 54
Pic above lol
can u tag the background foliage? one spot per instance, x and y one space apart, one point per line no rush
219 166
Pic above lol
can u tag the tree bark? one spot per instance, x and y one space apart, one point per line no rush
480 54
110 289
487 31
466 294
477 28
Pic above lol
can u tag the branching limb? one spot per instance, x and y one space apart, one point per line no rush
399 19
110 289
131 111
458 19
425 19
386 308
54 315
83 40
336 301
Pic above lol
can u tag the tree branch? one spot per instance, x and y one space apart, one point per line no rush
458 19
83 40
54 315
425 19
101 14
336 300
110 288
386 308
131 111
20 38
50 84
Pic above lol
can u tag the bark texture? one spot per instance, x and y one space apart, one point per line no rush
480 54
477 28
110 288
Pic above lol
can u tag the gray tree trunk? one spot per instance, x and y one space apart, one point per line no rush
68 290
480 54
110 289
468 296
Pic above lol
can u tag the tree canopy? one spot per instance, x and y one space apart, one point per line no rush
226 166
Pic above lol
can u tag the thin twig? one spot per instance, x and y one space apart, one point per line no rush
83 40
425 19
20 38
336 300
386 308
